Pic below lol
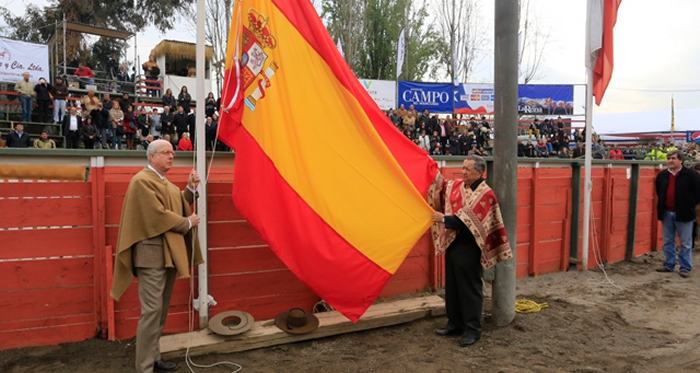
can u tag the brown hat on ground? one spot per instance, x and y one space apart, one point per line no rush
231 323
297 321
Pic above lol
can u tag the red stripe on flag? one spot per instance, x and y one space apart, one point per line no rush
602 72
417 165
306 244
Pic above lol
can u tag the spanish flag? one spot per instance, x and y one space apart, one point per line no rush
320 172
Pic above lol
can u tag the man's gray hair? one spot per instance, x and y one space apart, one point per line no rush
679 154
152 149
479 163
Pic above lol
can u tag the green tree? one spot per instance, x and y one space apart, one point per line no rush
344 21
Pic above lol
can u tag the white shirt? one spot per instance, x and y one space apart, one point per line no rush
73 126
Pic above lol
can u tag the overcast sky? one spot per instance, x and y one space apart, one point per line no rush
657 50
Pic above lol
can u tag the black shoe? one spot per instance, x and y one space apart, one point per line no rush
684 274
449 330
164 366
664 270
468 339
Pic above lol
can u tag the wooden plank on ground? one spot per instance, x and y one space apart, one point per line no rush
265 333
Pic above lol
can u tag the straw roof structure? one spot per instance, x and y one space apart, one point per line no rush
180 50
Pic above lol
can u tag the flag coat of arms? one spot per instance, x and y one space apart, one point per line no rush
320 172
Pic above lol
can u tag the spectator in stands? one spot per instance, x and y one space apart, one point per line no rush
143 122
89 133
409 122
107 101
59 91
454 143
152 71
43 99
401 111
424 141
167 138
465 141
438 149
185 144
542 148
535 128
144 144
44 142
579 151
168 99
444 131
616 154
85 75
210 133
130 127
89 103
523 148
71 128
412 110
25 88
100 119
192 125
564 153
167 120
112 67
116 123
156 126
598 149
125 102
210 105
180 122
123 79
184 99
17 138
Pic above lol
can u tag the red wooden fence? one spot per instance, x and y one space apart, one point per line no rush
54 265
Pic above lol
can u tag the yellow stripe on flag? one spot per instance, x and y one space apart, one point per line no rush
324 146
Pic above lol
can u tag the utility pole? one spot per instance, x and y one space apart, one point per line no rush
505 162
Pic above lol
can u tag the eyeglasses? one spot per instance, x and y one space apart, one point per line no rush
167 152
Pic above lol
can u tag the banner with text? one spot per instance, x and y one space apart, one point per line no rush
18 57
474 99
436 97
545 99
383 92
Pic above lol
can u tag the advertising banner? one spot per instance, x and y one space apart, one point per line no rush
474 99
436 97
382 91
18 57
546 99
692 136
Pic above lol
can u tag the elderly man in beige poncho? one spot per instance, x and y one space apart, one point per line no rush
155 242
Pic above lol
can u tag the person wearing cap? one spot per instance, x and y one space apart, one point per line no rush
17 138
465 210
44 142
155 242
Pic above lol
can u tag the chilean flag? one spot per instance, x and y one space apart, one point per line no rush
602 15
321 173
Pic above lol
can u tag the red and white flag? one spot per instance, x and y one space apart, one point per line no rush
602 15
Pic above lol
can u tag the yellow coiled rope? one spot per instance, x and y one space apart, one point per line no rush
529 306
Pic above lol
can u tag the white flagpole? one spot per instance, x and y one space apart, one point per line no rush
203 270
588 186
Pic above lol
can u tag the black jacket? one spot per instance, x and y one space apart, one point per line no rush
66 123
14 141
687 193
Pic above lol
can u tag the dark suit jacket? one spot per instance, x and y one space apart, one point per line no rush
14 141
66 123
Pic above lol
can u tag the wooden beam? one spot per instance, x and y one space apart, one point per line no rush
265 333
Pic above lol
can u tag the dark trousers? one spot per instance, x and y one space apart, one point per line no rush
89 143
72 140
464 293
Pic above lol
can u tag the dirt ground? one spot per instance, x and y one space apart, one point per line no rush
639 321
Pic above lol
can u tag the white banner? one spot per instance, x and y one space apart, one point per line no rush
400 54
382 91
18 57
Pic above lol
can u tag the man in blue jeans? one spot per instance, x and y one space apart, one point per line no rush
678 191
25 88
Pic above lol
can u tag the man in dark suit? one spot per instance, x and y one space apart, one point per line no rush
71 128
18 138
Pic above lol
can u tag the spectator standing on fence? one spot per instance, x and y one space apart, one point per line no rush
184 99
17 138
155 242
678 192
25 88
59 91
116 123
44 142
85 75
43 99
71 128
